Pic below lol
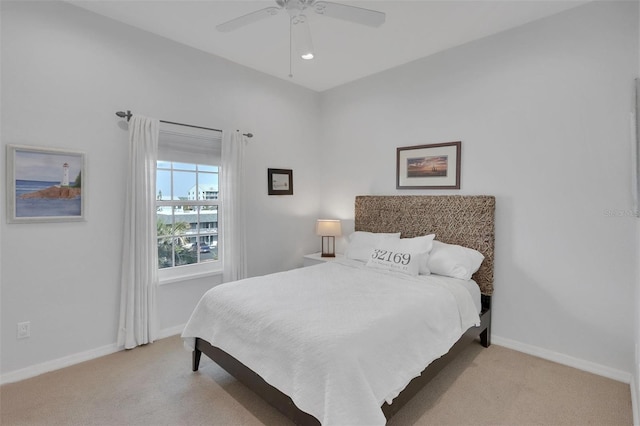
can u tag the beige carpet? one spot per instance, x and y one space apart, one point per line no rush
154 385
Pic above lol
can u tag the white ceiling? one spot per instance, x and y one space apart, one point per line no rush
344 51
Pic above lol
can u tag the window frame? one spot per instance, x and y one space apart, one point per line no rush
178 273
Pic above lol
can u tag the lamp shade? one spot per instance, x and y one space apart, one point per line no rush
328 228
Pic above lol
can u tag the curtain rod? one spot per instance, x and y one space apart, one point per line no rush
128 116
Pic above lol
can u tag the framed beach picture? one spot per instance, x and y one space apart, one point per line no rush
44 185
434 166
280 181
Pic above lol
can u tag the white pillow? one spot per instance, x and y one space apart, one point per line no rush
453 260
403 255
361 243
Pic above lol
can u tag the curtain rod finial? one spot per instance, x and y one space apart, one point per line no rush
123 114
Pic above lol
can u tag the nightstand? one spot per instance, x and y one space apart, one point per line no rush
316 258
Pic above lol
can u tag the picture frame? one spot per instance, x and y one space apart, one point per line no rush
280 181
45 185
432 166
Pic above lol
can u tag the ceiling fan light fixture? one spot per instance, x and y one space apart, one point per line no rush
302 37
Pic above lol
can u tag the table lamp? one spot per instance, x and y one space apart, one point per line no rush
328 229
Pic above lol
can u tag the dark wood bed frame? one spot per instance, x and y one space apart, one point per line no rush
455 219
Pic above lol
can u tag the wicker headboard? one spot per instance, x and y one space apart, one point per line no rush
466 220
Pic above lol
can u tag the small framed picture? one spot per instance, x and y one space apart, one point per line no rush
44 185
434 166
280 181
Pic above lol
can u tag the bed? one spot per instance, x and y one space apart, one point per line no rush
326 381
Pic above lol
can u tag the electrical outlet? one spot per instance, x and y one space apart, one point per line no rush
24 329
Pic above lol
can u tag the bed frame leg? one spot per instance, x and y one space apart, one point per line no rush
485 338
196 359
485 320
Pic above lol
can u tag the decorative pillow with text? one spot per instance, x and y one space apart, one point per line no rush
390 259
406 255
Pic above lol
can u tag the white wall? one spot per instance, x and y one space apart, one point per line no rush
543 115
65 72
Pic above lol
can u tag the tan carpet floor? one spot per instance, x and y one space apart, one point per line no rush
154 385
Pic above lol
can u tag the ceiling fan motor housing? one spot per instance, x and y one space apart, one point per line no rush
295 6
295 3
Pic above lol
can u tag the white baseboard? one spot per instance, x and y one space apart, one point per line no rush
56 364
67 361
580 364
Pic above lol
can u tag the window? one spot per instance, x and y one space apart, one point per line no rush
187 213
187 205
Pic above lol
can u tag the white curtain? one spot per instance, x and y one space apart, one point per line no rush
234 249
139 279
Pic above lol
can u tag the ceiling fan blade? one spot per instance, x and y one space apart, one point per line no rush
247 19
359 15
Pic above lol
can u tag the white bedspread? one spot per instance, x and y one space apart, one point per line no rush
338 338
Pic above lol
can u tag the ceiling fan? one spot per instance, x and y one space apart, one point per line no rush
298 19
359 15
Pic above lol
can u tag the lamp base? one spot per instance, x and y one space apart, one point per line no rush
328 247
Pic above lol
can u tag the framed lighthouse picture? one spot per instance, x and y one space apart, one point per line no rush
45 185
